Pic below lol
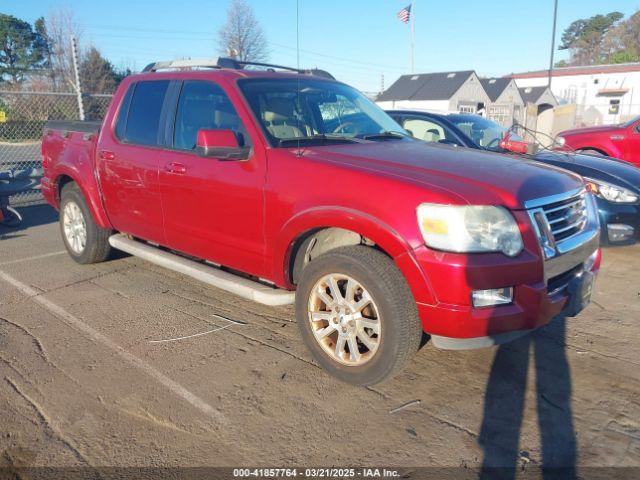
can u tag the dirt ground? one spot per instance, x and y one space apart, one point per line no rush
85 378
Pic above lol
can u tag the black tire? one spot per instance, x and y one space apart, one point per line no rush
97 248
400 325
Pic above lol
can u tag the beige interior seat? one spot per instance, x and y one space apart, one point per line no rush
431 135
279 116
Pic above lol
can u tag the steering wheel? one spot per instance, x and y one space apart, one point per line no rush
345 127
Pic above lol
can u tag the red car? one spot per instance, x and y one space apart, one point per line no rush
264 183
619 141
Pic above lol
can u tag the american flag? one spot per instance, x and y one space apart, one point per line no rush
405 14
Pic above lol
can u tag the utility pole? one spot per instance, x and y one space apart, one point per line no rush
74 56
553 40
382 83
413 34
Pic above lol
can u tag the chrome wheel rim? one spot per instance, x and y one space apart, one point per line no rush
75 228
344 319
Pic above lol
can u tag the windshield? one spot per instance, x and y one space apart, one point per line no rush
291 110
484 132
629 123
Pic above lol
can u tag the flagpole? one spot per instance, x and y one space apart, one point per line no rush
413 34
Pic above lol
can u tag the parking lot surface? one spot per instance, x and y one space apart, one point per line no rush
127 364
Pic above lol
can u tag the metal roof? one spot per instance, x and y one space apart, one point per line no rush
580 70
532 94
426 86
495 86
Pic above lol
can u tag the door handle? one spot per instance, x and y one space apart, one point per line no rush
175 167
107 155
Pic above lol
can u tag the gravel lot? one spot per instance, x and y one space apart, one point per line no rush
85 378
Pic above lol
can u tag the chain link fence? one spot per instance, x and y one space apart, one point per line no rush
23 116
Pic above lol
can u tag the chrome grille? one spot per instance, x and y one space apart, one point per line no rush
566 218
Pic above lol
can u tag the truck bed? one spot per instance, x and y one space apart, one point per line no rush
82 126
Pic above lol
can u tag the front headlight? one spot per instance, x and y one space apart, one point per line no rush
610 192
468 229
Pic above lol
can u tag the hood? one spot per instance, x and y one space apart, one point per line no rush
588 130
607 169
470 176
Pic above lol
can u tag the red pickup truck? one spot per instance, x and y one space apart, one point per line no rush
619 141
266 183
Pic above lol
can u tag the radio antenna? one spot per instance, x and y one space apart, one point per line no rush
299 153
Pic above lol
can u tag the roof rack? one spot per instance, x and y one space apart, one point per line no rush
230 63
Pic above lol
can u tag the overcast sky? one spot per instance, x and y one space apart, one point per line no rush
356 40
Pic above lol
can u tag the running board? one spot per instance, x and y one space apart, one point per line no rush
241 286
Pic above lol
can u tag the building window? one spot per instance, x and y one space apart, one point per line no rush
614 106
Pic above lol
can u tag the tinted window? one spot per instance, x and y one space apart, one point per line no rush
203 105
484 132
144 113
123 112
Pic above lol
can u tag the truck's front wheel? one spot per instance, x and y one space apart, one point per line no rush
85 241
357 315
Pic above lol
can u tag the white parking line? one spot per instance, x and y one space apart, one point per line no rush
68 318
37 257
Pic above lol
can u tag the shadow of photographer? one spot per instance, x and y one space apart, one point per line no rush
505 402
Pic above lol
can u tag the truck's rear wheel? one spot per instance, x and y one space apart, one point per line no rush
85 241
357 315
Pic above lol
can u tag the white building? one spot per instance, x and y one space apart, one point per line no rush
603 94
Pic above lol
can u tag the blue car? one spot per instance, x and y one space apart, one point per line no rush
615 183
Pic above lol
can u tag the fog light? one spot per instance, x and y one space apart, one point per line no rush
619 232
488 298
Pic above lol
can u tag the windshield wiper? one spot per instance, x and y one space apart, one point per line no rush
320 138
384 135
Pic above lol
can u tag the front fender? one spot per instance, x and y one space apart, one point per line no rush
383 235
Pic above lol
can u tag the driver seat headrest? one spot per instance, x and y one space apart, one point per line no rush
279 110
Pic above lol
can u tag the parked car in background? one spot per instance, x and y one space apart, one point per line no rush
266 182
615 183
619 141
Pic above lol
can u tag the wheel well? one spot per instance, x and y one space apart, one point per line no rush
314 243
61 182
599 150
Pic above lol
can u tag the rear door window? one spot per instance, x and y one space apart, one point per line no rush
143 120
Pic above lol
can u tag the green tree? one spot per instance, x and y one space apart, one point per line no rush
584 38
623 41
21 49
97 75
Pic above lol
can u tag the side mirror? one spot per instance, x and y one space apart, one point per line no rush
220 144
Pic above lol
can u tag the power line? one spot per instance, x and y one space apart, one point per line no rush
207 36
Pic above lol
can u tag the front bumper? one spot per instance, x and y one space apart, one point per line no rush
541 283
616 214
